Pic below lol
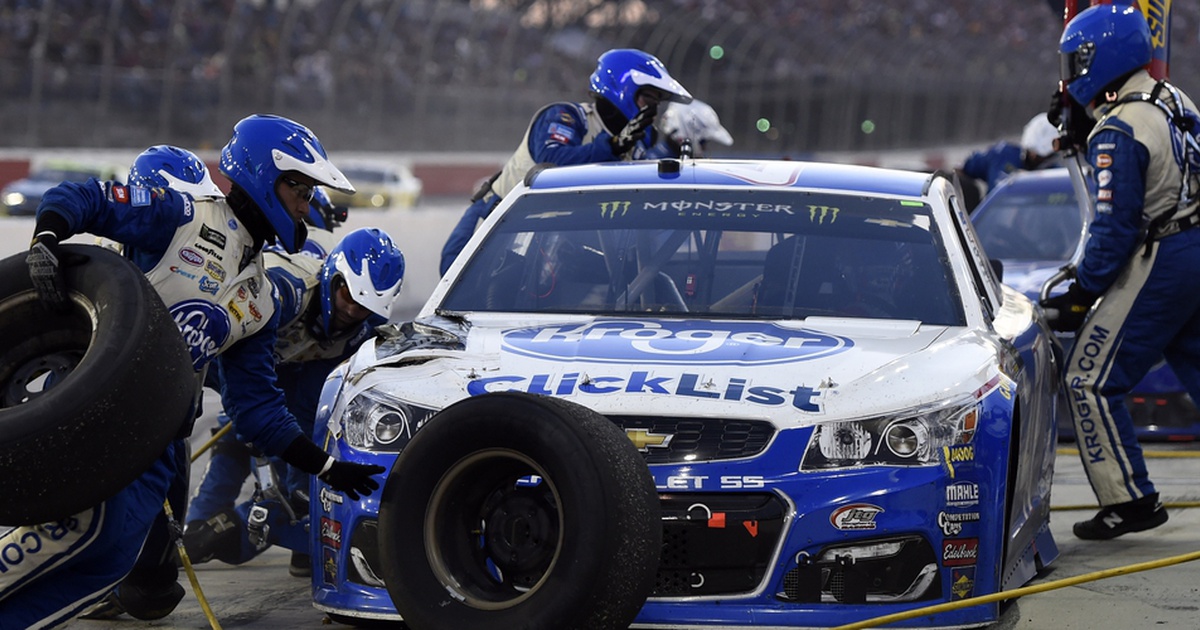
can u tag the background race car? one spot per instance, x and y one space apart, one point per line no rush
379 185
1033 223
708 393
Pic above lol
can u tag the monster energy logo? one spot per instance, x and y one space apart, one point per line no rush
610 209
819 213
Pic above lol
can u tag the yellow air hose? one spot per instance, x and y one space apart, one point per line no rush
183 556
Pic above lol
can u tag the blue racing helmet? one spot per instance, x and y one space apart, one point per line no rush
1100 45
372 268
322 213
262 149
620 73
165 166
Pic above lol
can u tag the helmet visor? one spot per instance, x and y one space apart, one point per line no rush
1075 64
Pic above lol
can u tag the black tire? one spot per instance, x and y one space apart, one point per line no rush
464 545
89 397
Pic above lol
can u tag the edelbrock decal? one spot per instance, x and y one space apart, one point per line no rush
673 342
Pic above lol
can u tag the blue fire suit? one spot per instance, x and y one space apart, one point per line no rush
305 355
997 162
560 134
204 264
1146 275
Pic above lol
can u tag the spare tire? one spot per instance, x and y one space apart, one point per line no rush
90 396
510 510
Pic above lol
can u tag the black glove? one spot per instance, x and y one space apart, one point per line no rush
352 479
1073 122
634 130
1071 308
46 260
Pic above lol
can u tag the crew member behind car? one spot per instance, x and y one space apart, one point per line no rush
328 308
1138 272
228 314
230 459
1037 149
627 87
696 123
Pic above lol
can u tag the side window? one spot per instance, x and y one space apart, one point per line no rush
987 286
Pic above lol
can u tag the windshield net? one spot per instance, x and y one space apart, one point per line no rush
712 253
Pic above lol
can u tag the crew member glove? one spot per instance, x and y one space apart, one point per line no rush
1070 308
350 479
1073 122
634 130
46 260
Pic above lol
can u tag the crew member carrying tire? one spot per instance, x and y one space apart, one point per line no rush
225 309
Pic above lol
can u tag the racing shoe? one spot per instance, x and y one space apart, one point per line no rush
301 565
217 538
1111 521
107 608
149 604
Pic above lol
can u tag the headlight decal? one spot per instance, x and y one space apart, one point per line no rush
917 437
374 421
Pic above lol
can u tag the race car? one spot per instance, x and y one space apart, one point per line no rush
700 393
1033 223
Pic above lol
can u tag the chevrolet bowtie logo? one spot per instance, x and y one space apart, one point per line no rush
645 440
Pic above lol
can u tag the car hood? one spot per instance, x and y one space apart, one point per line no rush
790 372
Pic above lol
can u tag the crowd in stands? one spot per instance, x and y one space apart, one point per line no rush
379 55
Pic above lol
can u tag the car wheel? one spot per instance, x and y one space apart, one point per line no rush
510 510
89 397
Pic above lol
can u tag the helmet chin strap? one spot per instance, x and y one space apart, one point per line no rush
251 216
614 121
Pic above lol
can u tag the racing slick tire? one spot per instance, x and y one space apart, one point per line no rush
510 510
89 396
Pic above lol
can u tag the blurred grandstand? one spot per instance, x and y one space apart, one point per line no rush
788 77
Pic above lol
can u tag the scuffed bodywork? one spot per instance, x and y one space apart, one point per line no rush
813 469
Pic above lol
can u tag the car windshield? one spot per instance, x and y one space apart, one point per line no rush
1030 226
712 253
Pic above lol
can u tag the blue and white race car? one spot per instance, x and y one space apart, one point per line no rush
707 393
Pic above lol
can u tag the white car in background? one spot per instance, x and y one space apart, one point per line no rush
21 197
379 185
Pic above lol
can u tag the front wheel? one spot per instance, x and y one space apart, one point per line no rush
510 510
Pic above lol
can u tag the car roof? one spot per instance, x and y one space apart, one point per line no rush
1043 180
748 173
